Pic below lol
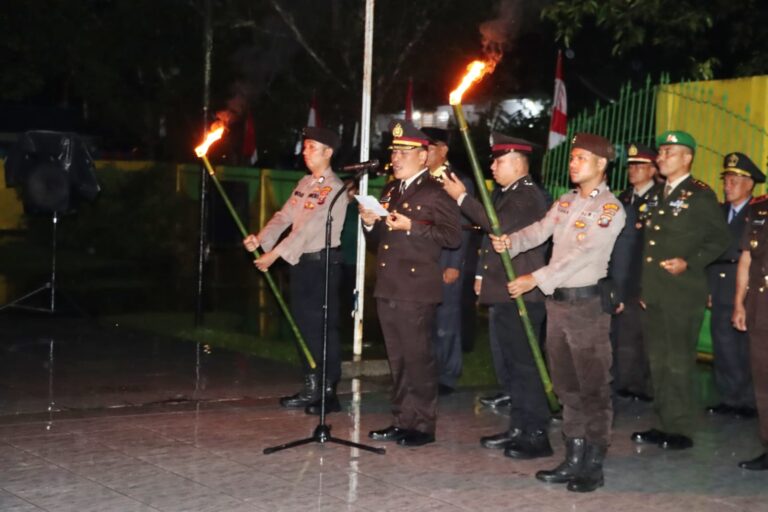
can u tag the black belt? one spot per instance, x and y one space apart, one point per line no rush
725 262
581 292
317 256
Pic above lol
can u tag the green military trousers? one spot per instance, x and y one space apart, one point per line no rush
671 332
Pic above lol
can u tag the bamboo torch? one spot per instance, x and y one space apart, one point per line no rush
217 130
475 71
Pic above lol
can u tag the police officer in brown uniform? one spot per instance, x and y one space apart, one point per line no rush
750 312
733 378
684 232
584 225
422 221
518 202
631 370
304 249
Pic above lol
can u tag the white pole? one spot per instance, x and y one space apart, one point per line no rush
365 138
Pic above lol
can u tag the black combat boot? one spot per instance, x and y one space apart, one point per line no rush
591 475
331 401
570 467
308 394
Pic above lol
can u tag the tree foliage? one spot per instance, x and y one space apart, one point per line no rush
717 38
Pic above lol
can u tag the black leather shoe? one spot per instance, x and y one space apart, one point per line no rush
651 436
416 438
676 442
501 440
721 409
745 412
757 464
497 400
391 433
444 390
531 445
636 397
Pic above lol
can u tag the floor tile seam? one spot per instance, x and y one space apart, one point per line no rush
92 480
412 491
23 499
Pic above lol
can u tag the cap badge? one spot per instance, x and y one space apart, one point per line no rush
733 160
397 131
671 137
632 150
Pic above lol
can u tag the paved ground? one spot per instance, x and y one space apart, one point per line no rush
102 419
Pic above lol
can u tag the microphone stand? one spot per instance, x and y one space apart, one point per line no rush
322 433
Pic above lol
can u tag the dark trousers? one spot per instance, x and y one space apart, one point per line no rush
447 335
672 332
733 377
757 327
307 286
529 408
503 375
407 328
631 369
579 354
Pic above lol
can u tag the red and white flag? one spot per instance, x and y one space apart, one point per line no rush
409 102
250 151
313 119
558 124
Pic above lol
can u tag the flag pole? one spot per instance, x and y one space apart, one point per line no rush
365 137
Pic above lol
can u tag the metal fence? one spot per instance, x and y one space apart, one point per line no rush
719 114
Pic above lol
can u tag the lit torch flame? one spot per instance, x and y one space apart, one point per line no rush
217 130
476 70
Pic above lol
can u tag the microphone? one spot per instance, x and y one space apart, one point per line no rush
362 166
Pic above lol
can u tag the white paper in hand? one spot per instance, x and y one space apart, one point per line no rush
373 204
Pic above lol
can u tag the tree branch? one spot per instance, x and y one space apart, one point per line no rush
288 19
382 84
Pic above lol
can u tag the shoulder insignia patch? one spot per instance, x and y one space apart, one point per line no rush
700 184
759 199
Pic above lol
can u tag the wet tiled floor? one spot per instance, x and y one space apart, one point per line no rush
107 449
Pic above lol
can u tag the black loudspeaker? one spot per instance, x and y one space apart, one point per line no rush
53 170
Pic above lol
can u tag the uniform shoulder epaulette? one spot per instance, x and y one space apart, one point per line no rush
700 184
760 199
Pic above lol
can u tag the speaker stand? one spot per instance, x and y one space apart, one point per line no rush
48 288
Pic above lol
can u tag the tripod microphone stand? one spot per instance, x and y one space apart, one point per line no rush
322 432
50 285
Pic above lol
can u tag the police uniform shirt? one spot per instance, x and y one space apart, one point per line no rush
583 230
306 211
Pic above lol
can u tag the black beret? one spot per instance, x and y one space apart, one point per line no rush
323 136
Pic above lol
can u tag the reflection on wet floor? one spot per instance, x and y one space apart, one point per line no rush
111 420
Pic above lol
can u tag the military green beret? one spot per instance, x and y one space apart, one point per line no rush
677 137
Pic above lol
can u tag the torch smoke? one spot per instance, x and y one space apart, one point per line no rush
498 33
